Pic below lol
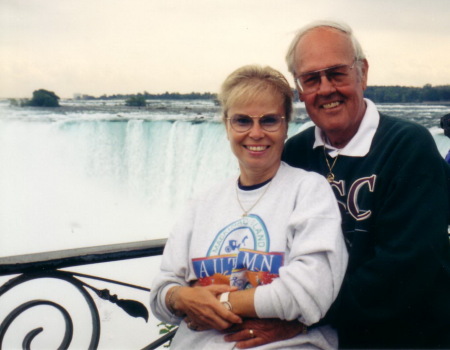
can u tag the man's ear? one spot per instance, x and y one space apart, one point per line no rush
300 96
364 73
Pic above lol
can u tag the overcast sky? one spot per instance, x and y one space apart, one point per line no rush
101 47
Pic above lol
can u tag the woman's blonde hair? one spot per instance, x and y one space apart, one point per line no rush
246 82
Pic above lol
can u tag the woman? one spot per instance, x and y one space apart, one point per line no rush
265 244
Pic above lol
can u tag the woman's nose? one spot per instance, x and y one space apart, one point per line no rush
256 131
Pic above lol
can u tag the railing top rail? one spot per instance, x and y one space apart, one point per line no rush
80 256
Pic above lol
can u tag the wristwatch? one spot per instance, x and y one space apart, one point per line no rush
224 300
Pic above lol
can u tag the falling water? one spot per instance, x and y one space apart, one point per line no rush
92 174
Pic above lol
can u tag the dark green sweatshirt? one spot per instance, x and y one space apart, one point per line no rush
395 208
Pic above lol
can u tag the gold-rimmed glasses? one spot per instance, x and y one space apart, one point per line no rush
339 75
268 122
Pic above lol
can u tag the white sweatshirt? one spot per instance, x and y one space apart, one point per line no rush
291 239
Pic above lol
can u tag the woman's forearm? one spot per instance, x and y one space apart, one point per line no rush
242 302
201 306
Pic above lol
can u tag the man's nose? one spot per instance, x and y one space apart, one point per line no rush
326 86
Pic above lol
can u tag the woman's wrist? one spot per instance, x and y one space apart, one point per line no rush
171 301
224 300
239 302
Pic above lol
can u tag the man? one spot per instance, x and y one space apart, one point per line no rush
391 184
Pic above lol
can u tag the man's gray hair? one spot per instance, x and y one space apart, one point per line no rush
341 26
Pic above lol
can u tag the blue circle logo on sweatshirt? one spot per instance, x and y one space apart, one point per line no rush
249 232
240 256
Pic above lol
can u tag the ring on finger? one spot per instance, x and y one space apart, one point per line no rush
252 334
192 326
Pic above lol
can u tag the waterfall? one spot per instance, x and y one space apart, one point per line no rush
89 182
88 176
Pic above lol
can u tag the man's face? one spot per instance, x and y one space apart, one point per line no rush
337 111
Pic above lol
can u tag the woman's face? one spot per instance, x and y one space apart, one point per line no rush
257 150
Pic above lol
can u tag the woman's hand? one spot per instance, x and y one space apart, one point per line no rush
202 307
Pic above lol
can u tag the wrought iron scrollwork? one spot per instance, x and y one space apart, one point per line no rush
26 344
132 307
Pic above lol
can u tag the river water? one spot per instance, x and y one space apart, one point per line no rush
97 172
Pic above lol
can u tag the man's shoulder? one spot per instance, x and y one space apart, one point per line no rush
405 139
304 136
400 124
298 147
402 130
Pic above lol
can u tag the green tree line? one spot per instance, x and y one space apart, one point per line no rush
164 96
403 94
378 94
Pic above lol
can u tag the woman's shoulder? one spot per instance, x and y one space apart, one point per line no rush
216 189
309 189
299 175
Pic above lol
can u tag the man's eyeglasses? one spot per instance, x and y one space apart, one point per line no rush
268 122
339 75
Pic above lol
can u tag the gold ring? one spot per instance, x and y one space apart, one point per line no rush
252 334
192 326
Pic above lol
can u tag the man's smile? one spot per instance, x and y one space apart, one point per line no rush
330 105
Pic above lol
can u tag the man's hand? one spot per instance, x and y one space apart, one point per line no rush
254 332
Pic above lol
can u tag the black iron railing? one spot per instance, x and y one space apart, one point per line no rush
32 267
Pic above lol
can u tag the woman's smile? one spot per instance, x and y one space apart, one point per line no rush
260 148
257 150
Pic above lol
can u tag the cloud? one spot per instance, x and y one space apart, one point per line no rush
118 46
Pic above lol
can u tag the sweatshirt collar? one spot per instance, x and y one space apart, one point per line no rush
359 145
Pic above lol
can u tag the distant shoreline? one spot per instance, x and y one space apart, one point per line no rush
122 101
428 94
195 111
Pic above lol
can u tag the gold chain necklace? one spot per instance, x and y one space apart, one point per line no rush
330 176
254 204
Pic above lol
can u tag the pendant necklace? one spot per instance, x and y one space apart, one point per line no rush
330 176
254 204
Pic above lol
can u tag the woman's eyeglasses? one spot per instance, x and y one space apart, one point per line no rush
268 122
339 75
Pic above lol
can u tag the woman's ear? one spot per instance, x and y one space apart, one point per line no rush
227 126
